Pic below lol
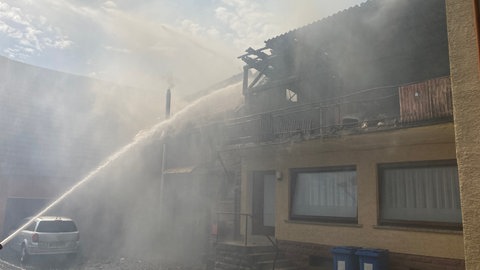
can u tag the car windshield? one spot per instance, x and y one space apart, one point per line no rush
56 226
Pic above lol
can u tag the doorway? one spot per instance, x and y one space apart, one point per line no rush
263 203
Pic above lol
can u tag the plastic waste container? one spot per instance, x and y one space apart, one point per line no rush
344 258
372 259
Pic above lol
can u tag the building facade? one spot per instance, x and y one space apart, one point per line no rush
464 60
350 138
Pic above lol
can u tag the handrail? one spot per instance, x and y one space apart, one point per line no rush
247 216
245 240
275 245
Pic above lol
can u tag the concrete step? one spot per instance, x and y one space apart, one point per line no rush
240 248
233 256
240 261
268 265
227 266
265 256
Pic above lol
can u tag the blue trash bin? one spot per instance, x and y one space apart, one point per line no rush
372 259
344 258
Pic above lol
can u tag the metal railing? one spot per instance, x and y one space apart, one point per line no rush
229 229
394 106
311 119
236 234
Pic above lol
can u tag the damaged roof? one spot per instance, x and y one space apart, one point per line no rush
380 42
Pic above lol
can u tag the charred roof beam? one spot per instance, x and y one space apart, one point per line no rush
257 59
263 63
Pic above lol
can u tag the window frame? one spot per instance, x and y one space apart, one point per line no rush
327 219
412 223
476 15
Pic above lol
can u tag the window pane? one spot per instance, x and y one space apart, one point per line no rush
269 200
421 194
325 194
56 226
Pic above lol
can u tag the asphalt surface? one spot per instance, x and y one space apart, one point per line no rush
120 263
4 265
9 261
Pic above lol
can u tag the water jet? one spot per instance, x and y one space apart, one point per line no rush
194 109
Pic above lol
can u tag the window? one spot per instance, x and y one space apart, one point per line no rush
291 95
52 226
325 194
420 194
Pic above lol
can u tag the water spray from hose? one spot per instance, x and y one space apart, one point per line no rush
141 137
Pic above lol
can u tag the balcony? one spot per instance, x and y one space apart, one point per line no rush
424 103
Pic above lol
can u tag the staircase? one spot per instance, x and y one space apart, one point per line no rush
232 256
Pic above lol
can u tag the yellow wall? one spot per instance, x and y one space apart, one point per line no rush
365 152
464 66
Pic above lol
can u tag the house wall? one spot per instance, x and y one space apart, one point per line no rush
22 188
365 151
3 200
464 64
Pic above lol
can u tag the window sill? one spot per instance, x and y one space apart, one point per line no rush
416 229
321 223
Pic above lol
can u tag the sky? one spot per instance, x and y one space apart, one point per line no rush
182 44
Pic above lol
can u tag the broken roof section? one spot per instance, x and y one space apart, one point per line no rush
380 42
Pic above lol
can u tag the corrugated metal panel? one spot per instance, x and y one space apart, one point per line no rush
427 100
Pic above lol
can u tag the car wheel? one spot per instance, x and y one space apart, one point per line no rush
24 256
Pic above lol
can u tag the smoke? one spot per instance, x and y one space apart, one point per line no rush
79 121
305 12
141 44
118 211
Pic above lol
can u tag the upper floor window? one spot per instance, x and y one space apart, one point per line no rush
291 95
324 194
420 194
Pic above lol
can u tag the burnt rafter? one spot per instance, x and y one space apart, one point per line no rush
259 65
258 52
259 60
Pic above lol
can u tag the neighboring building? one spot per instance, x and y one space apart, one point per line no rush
463 28
55 128
348 138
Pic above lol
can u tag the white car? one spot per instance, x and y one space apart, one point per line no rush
47 236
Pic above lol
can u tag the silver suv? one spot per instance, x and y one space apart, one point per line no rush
47 236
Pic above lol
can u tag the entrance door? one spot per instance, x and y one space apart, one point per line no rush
263 203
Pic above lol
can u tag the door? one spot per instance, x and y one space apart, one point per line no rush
263 195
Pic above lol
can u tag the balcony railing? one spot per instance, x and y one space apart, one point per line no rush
406 105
